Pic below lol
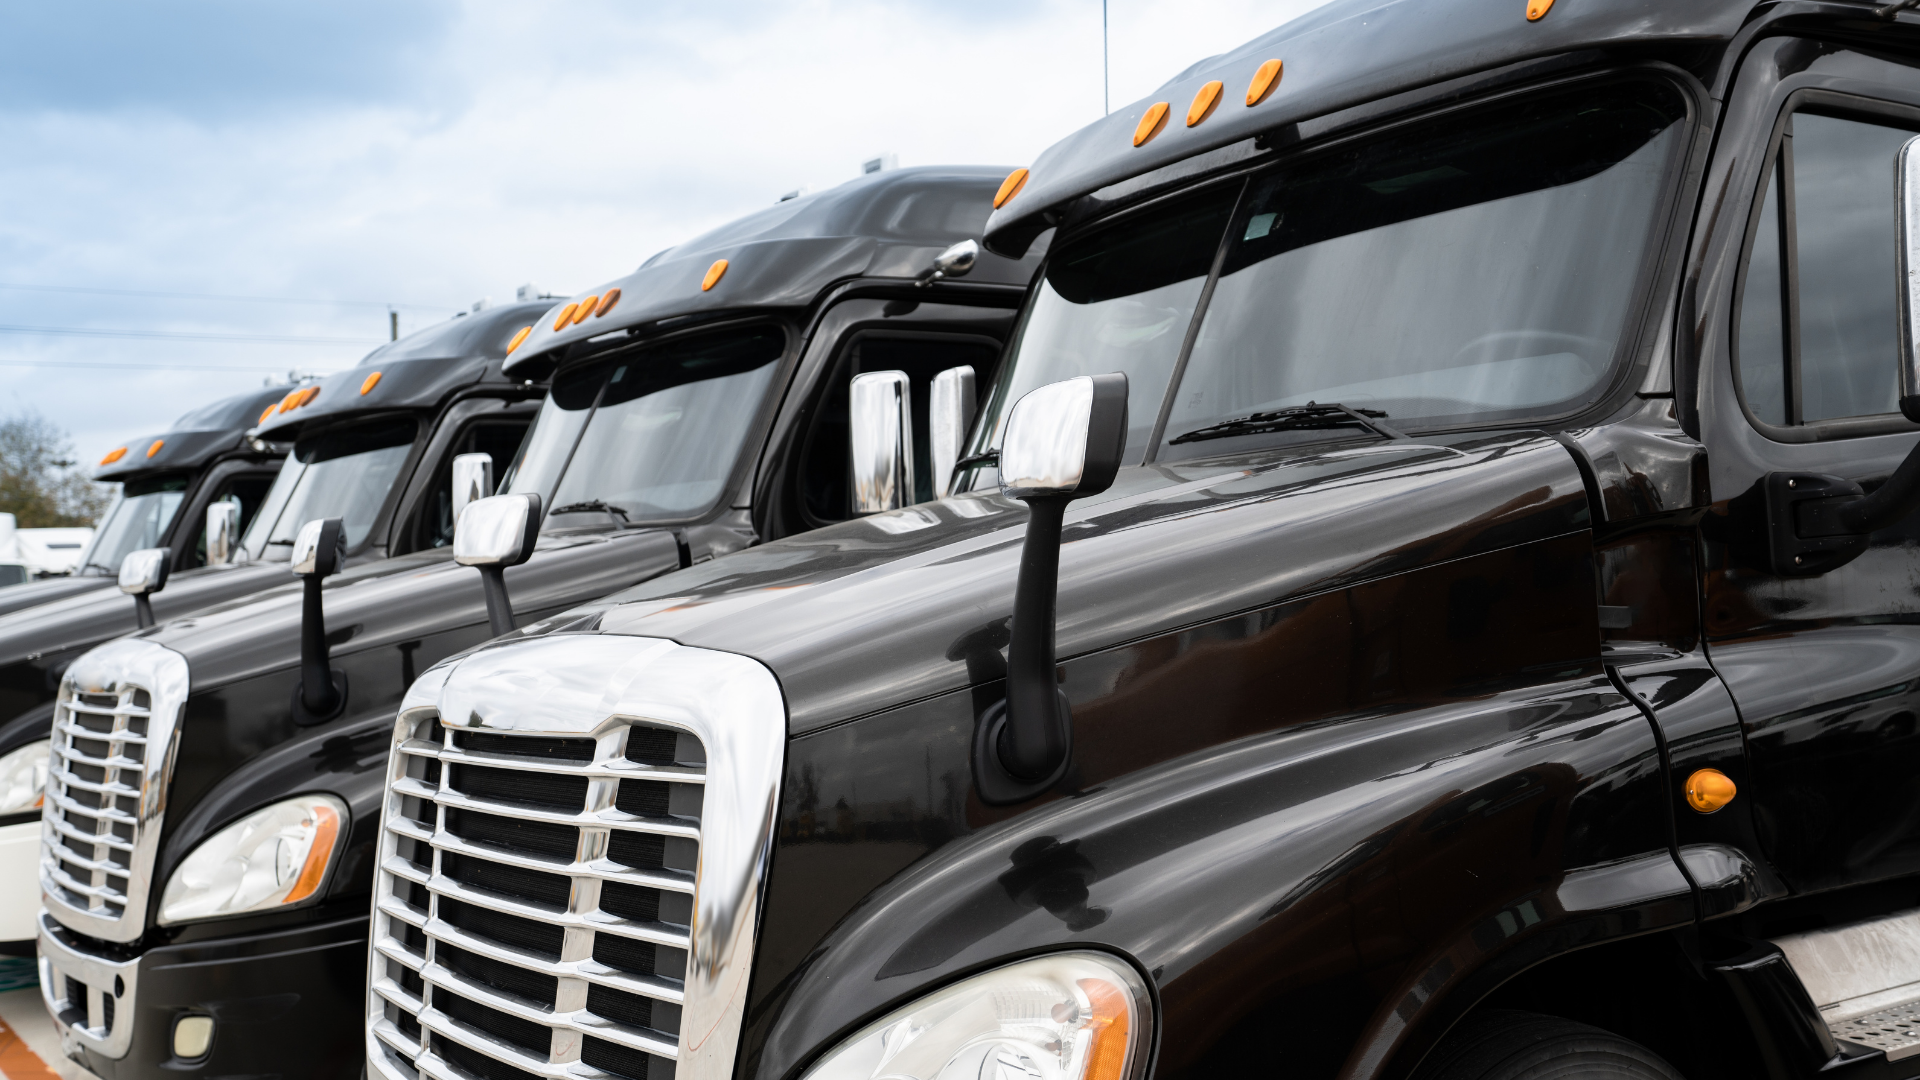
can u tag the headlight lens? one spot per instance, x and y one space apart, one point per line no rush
1070 1016
23 778
272 857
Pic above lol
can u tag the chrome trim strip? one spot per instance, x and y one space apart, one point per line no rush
58 963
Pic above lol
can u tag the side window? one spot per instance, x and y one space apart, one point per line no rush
1819 316
826 469
499 439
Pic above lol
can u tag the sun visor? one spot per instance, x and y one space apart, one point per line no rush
197 438
369 388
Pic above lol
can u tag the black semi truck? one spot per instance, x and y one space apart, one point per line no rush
215 920
1431 594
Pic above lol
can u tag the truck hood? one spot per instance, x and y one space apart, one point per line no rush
894 608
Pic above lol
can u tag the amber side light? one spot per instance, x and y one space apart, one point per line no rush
607 302
326 828
566 316
1150 124
1009 187
116 455
519 339
1538 8
714 273
369 383
1204 102
587 307
1107 1057
1264 80
1709 790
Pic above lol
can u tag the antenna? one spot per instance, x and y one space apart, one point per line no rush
1106 72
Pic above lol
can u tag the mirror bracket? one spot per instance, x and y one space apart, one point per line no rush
321 694
490 535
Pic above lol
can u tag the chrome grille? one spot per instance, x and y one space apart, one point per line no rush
113 728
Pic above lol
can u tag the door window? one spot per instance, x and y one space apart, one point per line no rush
1819 316
499 440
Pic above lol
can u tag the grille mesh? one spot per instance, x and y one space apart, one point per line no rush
94 782
534 905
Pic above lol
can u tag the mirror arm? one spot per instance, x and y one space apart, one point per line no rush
317 692
142 610
1039 728
493 582
1892 501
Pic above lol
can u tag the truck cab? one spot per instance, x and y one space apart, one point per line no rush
1428 594
699 405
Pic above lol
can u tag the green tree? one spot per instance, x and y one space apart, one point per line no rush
40 483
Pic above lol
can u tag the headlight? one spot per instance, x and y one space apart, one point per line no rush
23 777
1070 1016
268 859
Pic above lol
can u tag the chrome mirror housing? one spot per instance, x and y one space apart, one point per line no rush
319 548
223 531
1907 254
949 417
1065 438
143 573
956 261
498 530
879 407
472 480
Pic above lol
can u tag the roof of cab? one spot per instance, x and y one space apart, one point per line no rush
194 439
885 224
1336 57
416 372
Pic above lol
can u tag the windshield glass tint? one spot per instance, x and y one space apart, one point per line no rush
344 473
137 519
1476 268
1118 300
665 433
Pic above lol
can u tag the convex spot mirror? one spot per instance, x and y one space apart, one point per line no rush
223 532
320 548
1065 438
496 531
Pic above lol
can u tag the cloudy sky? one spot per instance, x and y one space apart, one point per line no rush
427 153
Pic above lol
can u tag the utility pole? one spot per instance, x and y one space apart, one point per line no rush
1106 70
393 324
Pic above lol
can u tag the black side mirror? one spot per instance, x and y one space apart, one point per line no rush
143 573
318 552
1063 442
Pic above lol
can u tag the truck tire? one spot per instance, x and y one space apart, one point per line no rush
1505 1044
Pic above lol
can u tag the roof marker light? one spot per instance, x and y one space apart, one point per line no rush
566 316
519 339
1538 8
1009 187
714 273
155 448
587 307
369 383
1266 78
271 409
606 302
1204 103
1151 122
290 402
116 455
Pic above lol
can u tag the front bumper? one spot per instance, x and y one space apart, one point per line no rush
285 1003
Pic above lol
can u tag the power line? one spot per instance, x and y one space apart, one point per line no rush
158 368
218 296
170 335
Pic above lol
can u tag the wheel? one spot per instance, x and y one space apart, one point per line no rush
1504 1044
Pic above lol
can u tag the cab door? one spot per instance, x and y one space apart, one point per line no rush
1825 670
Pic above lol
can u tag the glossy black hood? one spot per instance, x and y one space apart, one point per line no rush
887 610
194 440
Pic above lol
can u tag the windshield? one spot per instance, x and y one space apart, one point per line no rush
650 435
343 472
1476 268
137 519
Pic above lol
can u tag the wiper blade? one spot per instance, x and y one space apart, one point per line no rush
589 506
1310 416
991 457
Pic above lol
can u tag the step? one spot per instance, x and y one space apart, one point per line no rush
1865 979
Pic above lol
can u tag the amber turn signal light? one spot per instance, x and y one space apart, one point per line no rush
1709 790
1150 124
714 273
1204 103
369 383
1264 80
1009 187
116 455
607 302
566 316
1537 8
314 870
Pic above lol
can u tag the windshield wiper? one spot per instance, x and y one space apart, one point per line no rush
589 506
1310 416
991 457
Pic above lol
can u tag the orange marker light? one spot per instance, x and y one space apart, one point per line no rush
1538 8
1150 124
566 316
369 383
271 409
1264 80
307 396
116 455
519 339
1107 1057
1009 187
155 448
586 309
1204 103
287 403
326 827
607 302
714 273
1709 790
